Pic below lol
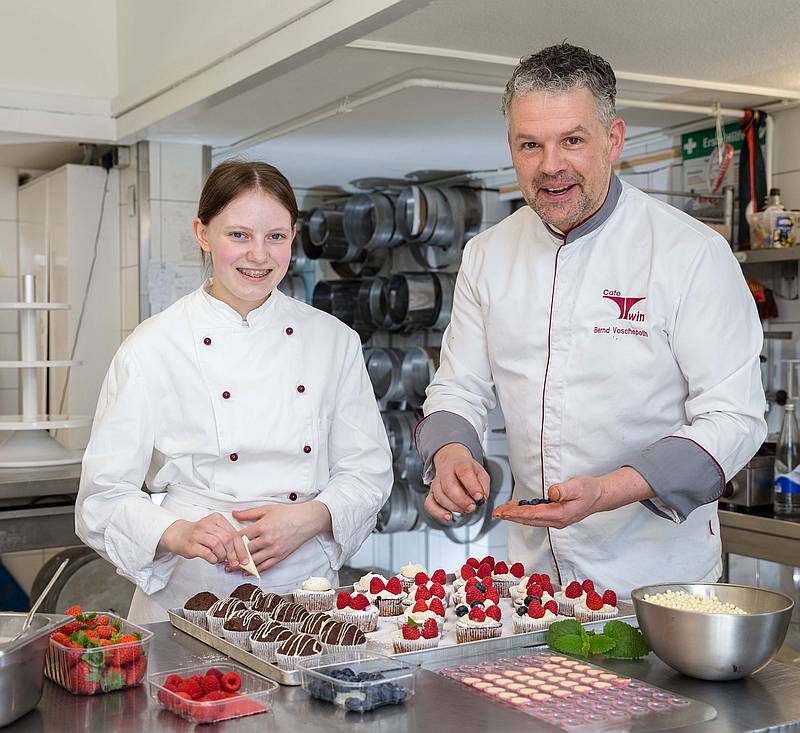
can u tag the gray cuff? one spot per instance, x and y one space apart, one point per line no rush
439 429
683 476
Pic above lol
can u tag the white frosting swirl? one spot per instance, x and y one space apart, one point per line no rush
411 569
581 604
317 584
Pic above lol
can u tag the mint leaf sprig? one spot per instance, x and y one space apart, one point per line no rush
618 640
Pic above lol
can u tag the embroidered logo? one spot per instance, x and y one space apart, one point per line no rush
625 305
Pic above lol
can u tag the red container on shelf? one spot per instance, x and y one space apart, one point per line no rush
103 668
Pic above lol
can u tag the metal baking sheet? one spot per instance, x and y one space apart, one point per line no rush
447 650
272 671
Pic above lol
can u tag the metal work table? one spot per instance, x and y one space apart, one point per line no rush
766 700
37 507
761 534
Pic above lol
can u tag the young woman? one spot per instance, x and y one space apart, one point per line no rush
250 411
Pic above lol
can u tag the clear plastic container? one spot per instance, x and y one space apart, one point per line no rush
373 680
100 669
254 696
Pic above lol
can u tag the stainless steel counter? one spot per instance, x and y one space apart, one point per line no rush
761 534
769 699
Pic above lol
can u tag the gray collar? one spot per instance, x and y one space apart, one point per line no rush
596 220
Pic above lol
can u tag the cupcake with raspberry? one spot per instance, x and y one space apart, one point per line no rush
315 594
535 616
480 623
466 571
356 609
595 607
414 637
388 597
573 593
540 580
478 591
266 639
426 591
362 584
533 592
421 611
408 572
239 627
195 609
219 611
504 577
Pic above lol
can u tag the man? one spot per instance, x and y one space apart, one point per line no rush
621 341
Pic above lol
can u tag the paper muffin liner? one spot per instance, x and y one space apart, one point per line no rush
402 645
215 625
340 648
198 618
516 595
406 583
238 638
389 606
523 624
315 600
265 649
566 606
284 661
586 616
477 633
367 622
503 587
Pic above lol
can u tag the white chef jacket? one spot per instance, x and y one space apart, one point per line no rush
224 413
632 341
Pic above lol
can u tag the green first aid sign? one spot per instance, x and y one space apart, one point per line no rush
700 143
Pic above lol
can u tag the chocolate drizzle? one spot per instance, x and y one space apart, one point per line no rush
267 602
343 634
314 623
275 633
246 591
226 606
300 645
242 621
289 612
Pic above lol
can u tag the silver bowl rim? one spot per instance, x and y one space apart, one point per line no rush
636 595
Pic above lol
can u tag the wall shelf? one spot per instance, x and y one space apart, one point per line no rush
759 256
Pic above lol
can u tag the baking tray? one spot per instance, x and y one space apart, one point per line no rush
378 642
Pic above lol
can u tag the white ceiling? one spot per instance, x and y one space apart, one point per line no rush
720 40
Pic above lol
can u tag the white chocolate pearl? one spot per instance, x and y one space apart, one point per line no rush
683 601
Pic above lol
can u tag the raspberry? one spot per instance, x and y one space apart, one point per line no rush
439 576
467 571
437 607
544 577
548 586
573 590
376 585
437 590
474 563
209 683
594 601
191 688
587 585
423 594
472 581
430 630
174 680
214 696
410 632
487 581
230 682
534 590
488 560
215 672
551 606
419 607
501 568
358 602
484 571
492 595
420 578
517 570
535 610
494 612
473 594
394 586
610 598
477 614
343 600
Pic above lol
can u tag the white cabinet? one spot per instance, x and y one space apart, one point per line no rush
59 214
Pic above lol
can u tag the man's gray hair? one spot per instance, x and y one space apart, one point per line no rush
563 68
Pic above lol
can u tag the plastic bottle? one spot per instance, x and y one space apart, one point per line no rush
787 471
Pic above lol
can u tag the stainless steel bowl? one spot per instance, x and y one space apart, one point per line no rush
22 662
715 646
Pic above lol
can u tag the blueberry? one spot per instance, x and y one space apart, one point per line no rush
475 603
480 502
462 610
523 502
521 611
527 600
481 587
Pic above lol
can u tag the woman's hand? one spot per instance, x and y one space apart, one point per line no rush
277 530
212 538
